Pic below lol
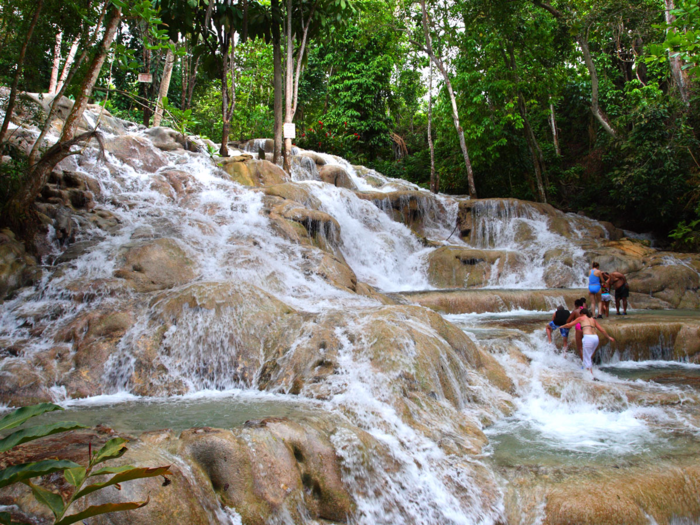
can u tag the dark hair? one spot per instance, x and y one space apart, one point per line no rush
596 265
586 312
560 307
578 303
583 300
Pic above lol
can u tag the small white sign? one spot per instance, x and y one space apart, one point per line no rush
290 131
145 77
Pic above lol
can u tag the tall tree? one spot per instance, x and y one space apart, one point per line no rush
18 73
437 60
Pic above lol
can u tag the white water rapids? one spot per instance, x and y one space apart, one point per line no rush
222 226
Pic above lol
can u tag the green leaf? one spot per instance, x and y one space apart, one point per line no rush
48 498
110 470
40 431
75 476
19 416
5 518
128 475
114 448
96 510
24 471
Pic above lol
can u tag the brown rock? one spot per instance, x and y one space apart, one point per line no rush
453 267
155 265
17 267
337 176
136 152
265 173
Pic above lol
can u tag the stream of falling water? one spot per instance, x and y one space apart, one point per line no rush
220 225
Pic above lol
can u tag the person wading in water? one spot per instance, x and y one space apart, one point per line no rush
618 281
590 339
559 318
578 334
594 288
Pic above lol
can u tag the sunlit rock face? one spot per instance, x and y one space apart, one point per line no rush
410 327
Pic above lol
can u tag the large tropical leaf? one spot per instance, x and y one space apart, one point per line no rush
96 510
46 497
5 518
40 431
128 475
19 416
26 471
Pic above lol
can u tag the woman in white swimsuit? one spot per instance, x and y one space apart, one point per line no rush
590 339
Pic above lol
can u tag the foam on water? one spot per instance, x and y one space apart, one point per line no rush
558 410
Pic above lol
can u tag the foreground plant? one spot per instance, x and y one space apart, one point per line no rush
75 474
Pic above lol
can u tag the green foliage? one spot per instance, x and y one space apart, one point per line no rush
12 175
686 237
180 120
75 474
339 141
682 37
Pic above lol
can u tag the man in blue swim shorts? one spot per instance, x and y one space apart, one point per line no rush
558 319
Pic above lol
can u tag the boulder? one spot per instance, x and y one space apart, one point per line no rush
454 267
318 159
337 176
208 335
412 208
156 265
166 139
267 145
237 169
294 192
136 152
271 468
265 173
320 229
17 267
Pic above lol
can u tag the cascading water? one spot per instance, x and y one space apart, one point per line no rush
248 286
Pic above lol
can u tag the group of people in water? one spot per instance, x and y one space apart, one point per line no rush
599 286
584 319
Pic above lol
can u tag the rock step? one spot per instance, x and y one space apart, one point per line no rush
478 301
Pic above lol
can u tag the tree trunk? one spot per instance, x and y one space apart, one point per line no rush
39 174
553 124
583 42
192 82
288 89
228 99
164 84
533 147
56 63
680 77
434 182
66 77
18 73
184 77
93 72
531 139
598 113
277 66
68 63
146 88
455 113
